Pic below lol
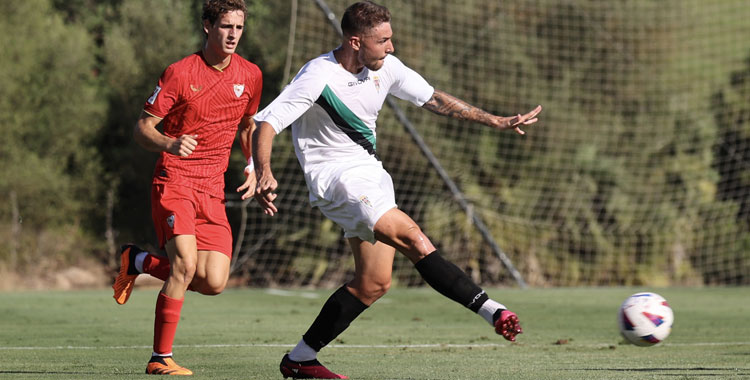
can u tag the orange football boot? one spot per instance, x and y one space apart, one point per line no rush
125 280
165 365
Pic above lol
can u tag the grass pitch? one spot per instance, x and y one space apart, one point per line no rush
569 333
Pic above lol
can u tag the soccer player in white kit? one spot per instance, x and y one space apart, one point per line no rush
332 105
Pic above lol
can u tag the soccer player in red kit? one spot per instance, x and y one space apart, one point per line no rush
200 101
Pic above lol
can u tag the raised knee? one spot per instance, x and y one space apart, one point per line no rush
210 288
384 288
376 289
412 234
418 245
209 291
215 289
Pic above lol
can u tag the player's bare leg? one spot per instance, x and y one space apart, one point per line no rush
211 273
183 257
400 231
373 264
373 267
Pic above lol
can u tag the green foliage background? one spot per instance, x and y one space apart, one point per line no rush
636 174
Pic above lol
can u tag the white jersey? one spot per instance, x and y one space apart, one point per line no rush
333 113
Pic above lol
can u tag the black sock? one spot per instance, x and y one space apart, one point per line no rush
450 281
337 313
158 359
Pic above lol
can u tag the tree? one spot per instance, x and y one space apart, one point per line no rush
50 110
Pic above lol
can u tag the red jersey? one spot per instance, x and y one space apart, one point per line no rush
195 98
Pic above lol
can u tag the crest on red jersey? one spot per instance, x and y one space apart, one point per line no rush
238 89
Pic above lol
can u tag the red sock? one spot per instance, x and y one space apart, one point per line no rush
158 266
165 324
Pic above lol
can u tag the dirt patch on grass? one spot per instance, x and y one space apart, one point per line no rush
82 275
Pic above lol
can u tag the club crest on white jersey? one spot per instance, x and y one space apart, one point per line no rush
365 201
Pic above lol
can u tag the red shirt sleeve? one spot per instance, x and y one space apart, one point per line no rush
257 89
165 94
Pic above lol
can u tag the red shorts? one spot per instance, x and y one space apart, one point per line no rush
179 210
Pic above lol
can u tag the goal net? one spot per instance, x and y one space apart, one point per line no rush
638 172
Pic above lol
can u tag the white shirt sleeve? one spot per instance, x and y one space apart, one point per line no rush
408 84
296 98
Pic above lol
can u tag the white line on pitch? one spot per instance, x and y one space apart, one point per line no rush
434 345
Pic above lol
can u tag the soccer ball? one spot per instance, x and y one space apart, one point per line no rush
645 319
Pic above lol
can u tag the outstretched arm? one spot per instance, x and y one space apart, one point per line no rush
445 104
264 189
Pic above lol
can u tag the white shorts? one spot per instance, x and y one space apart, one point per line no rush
357 199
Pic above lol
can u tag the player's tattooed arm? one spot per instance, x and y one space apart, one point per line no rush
445 104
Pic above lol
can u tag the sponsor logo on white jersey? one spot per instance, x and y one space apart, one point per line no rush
358 82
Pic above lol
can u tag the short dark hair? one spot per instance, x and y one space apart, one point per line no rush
213 9
362 16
